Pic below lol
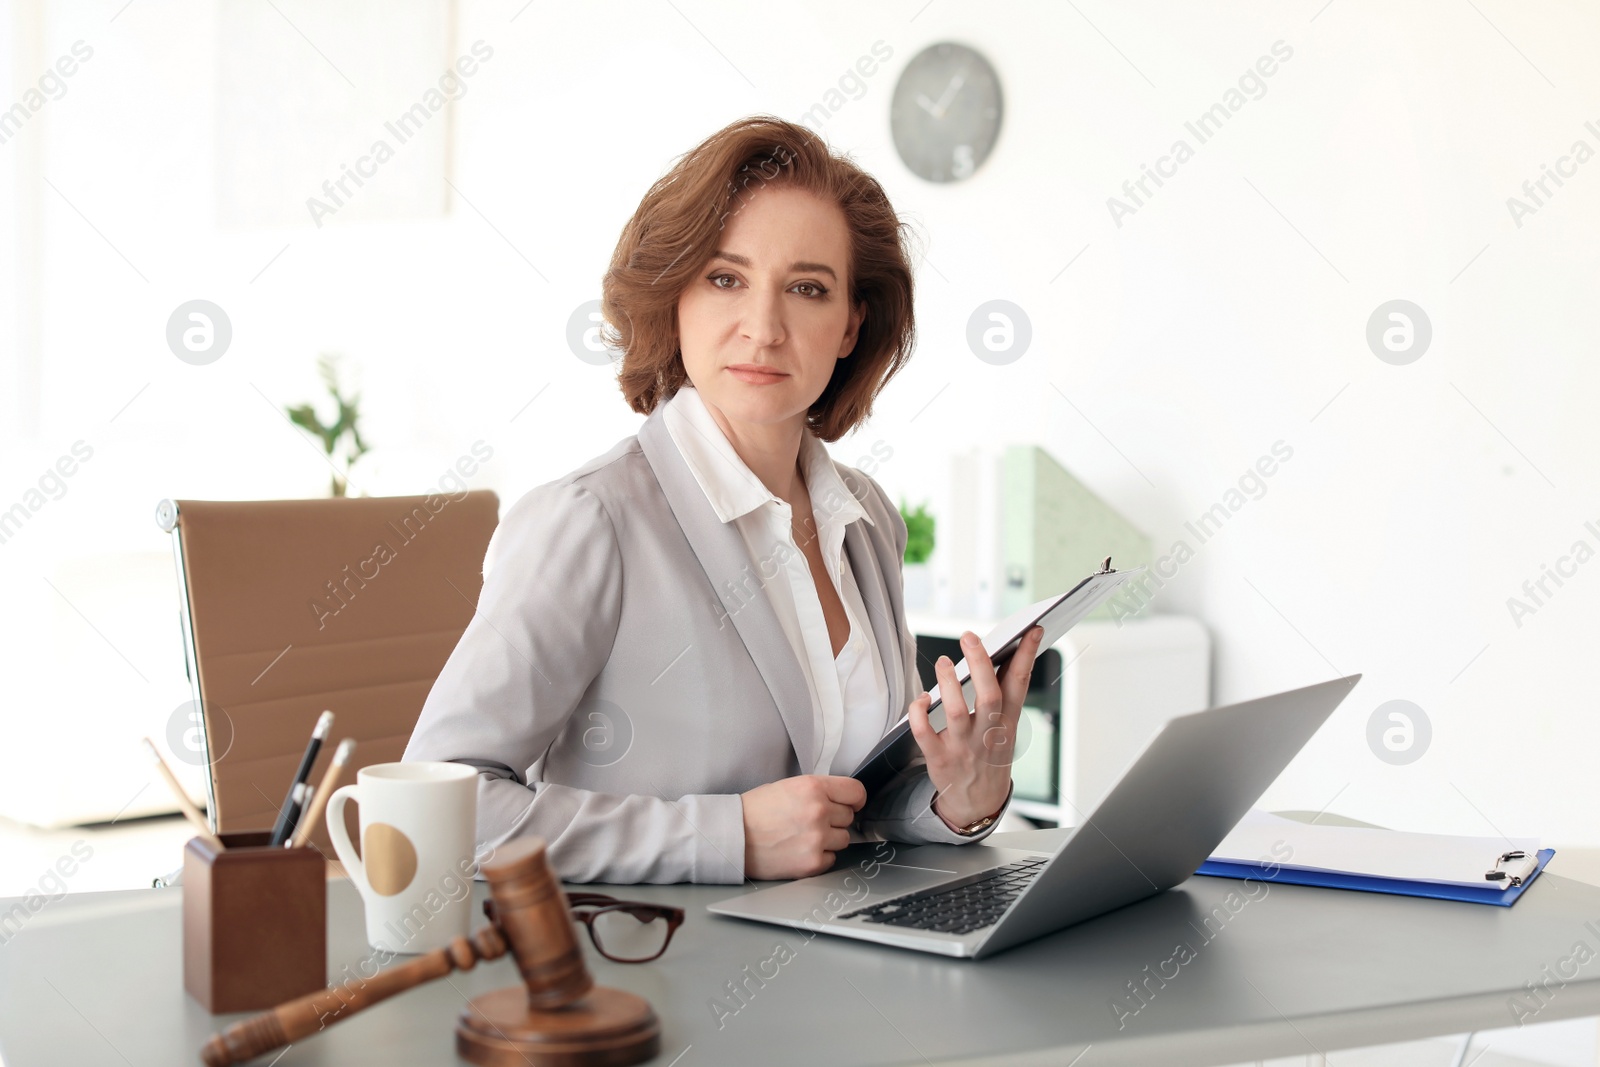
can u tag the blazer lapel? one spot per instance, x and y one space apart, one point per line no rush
727 565
883 609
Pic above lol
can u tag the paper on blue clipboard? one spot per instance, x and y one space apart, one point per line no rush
1441 859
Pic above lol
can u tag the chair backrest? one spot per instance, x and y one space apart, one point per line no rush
290 607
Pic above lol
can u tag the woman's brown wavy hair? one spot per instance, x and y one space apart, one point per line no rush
674 232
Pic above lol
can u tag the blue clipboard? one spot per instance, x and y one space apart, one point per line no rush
1365 883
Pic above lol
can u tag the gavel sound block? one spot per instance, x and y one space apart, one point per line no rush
558 1017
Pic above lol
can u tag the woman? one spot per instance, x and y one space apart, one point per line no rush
686 645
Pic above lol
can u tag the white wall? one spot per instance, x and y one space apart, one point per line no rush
1222 317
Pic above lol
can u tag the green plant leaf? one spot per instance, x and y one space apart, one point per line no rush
345 423
919 532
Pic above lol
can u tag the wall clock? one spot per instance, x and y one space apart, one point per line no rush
945 116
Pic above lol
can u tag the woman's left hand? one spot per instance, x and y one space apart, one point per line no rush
969 761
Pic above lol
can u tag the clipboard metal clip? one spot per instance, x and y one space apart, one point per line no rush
1497 875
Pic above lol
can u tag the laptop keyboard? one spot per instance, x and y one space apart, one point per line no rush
958 909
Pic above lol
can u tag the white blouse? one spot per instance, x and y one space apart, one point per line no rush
850 693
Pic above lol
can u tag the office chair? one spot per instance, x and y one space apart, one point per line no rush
290 607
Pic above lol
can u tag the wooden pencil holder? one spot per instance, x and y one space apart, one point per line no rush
255 922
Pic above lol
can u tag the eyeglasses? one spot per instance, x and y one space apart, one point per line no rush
623 931
626 931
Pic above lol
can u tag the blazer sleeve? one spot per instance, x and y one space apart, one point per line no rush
545 625
903 809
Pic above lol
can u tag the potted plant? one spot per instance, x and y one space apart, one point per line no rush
344 424
916 577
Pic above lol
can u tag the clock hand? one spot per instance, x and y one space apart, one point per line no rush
950 91
928 105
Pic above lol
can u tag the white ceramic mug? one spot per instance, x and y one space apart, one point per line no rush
417 858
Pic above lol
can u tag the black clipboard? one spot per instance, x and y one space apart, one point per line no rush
898 750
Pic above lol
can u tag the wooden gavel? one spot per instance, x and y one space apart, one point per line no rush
557 1015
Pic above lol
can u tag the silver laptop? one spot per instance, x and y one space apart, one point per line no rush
1169 811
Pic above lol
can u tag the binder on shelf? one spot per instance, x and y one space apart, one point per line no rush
1479 870
1053 528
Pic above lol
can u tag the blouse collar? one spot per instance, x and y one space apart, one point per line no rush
731 487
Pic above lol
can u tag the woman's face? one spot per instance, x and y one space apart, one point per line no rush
767 318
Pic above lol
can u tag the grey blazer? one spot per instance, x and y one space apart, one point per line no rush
625 677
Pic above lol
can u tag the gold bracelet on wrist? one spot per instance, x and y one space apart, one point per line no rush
976 826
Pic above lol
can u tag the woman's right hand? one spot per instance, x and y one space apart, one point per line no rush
792 827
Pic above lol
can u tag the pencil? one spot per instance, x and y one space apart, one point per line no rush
190 812
297 804
289 811
313 810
